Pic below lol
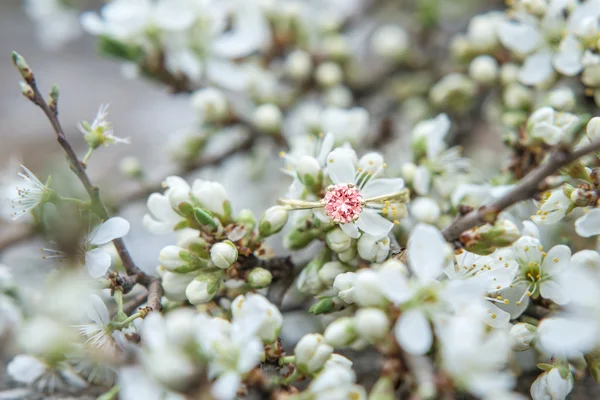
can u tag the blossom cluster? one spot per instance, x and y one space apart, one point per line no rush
393 236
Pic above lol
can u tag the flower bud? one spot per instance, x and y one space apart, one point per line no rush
383 389
408 171
223 254
522 336
593 128
372 324
517 96
309 172
329 74
273 220
562 99
329 271
268 118
394 265
336 47
312 353
178 259
308 281
509 73
208 221
212 104
131 167
425 209
556 383
348 255
373 249
484 69
486 239
454 91
260 278
179 198
341 332
212 197
338 241
257 307
338 96
298 65
390 42
344 286
203 288
174 284
368 289
323 306
246 217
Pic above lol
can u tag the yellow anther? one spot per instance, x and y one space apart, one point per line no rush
396 222
331 160
384 165
282 154
528 293
494 316
518 303
555 259
506 302
498 287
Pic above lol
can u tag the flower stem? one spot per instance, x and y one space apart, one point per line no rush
123 324
291 378
87 156
287 360
119 300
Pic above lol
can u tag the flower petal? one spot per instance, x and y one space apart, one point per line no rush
351 230
519 36
25 369
97 311
537 68
97 261
226 386
249 32
341 165
426 250
422 180
496 317
567 60
374 224
111 229
413 332
380 187
557 260
589 224
567 336
528 250
552 291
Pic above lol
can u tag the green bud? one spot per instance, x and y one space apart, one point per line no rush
273 220
22 66
246 217
486 239
323 306
114 48
204 287
27 90
383 389
54 93
260 278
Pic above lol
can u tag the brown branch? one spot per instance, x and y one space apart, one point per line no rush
525 189
32 92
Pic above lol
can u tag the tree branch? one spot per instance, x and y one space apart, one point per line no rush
33 93
524 190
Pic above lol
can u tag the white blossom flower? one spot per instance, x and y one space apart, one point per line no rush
552 127
43 377
255 306
233 350
588 225
358 197
98 333
554 384
553 207
336 381
31 194
100 132
97 260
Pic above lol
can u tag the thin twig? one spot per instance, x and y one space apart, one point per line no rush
524 190
33 93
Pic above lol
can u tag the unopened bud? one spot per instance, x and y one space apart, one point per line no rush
246 217
486 239
562 99
341 332
203 288
373 249
260 278
174 284
484 69
338 241
593 128
390 42
383 389
329 271
22 66
309 172
298 65
212 104
344 286
273 220
312 352
329 74
206 219
268 118
130 166
348 255
323 306
223 254
178 259
27 90
522 336
372 324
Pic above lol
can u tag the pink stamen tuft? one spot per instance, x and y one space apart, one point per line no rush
343 203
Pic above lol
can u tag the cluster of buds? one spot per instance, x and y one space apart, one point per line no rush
486 239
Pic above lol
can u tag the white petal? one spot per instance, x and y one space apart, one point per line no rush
551 290
435 139
394 285
351 230
325 148
113 228
227 75
91 23
426 250
531 229
518 36
421 180
249 32
97 311
567 336
341 165
537 68
25 369
413 332
380 187
97 261
321 215
567 60
160 207
225 388
374 224
496 317
528 250
513 294
156 227
589 224
557 260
